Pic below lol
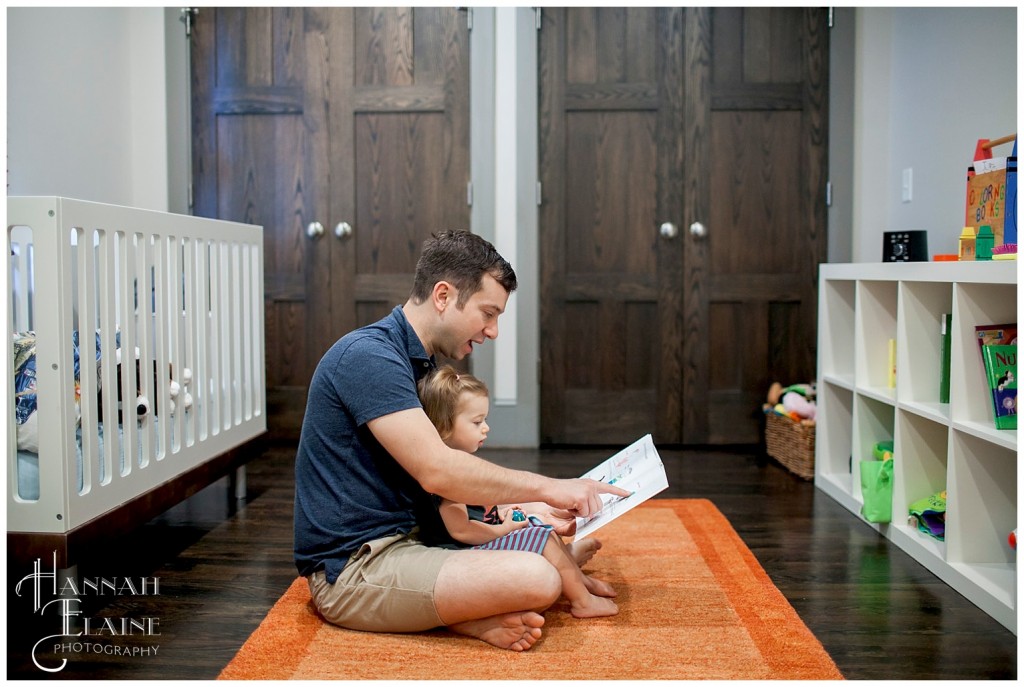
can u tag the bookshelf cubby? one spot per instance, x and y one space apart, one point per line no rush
937 446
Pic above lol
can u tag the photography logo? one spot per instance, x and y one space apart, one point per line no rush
61 599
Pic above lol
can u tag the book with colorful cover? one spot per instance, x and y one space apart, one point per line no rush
1000 334
1001 372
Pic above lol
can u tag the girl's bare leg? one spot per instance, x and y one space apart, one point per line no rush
576 586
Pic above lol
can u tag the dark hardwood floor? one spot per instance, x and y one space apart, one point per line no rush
221 566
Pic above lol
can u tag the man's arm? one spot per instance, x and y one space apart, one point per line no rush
412 440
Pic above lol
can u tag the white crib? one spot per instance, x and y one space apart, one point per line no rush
174 292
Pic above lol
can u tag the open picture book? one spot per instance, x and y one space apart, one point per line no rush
637 468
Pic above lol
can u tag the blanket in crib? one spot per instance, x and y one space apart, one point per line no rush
25 400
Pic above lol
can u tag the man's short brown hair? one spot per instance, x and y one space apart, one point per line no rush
462 259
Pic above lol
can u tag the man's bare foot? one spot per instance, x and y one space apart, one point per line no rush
598 587
593 607
513 631
583 550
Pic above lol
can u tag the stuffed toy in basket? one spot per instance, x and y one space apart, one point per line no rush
789 427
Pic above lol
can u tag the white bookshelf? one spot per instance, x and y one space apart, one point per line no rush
952 446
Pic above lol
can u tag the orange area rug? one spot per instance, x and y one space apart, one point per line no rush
693 601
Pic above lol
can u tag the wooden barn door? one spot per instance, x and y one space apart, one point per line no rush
683 158
345 133
611 172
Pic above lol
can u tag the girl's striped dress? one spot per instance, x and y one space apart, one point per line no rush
533 539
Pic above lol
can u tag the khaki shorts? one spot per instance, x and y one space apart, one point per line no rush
386 586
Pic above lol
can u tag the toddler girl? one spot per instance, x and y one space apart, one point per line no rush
457 404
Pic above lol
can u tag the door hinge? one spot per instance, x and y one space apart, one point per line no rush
469 193
537 13
831 17
828 194
186 16
539 191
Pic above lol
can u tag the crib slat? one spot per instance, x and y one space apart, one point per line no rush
126 273
89 382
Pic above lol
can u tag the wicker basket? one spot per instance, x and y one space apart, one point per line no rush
791 443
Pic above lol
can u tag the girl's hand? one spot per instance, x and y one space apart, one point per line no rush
507 515
509 523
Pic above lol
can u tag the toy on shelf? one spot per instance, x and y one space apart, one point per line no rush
1007 251
967 243
992 195
928 515
876 483
882 450
984 242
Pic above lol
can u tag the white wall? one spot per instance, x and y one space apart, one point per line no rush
929 82
87 104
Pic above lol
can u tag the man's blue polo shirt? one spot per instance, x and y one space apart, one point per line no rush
348 489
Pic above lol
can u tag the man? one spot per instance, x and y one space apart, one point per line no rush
369 458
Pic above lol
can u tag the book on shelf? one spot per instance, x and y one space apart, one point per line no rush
945 353
891 381
1001 373
1000 334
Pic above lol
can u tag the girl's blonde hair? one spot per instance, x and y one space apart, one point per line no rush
439 393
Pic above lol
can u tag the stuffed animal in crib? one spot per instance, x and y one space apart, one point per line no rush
143 406
25 399
796 400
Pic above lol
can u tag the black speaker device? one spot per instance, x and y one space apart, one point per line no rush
905 246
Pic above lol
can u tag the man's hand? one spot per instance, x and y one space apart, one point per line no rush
584 496
560 519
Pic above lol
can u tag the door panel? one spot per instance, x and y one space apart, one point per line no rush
755 201
700 115
607 148
330 115
765 210
609 282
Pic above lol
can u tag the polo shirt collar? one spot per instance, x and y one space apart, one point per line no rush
421 362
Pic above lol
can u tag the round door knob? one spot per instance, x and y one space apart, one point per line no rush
343 230
669 231
698 230
314 230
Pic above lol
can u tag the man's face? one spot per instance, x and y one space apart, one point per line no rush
474 323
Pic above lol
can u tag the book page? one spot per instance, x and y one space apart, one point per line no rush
637 468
